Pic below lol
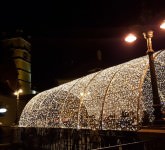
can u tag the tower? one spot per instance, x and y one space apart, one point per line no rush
19 50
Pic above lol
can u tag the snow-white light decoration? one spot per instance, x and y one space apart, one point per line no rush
111 99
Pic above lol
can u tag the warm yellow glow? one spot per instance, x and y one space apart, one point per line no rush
18 92
162 26
81 93
115 98
130 38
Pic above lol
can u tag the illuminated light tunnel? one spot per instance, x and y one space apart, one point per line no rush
115 98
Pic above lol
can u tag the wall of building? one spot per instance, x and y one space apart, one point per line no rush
9 117
19 49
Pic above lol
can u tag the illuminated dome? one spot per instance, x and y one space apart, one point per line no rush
112 99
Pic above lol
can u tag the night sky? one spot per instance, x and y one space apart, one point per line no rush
66 35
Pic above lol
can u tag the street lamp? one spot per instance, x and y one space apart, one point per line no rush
17 93
162 26
3 110
156 99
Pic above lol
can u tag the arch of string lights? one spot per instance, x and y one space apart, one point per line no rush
112 99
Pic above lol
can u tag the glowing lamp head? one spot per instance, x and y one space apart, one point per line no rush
130 38
3 110
162 26
18 92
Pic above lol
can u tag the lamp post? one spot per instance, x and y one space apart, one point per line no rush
156 99
158 120
17 93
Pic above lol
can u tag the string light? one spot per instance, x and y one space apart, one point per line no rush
113 99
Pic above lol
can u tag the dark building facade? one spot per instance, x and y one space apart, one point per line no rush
15 67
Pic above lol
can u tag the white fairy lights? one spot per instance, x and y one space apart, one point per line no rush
112 99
